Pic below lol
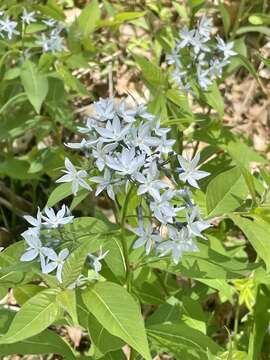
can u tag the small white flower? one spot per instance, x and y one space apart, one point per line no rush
35 249
128 115
75 177
56 262
126 163
28 17
203 78
174 58
195 224
142 138
104 109
225 48
113 132
83 145
90 125
165 146
9 27
100 153
50 22
205 27
163 210
147 237
96 260
188 170
54 220
186 37
179 242
104 184
198 43
143 113
149 182
35 222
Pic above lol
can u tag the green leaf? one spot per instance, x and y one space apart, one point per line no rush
260 29
248 65
151 72
174 338
46 342
59 193
214 99
115 259
36 315
226 192
259 19
67 300
117 311
73 265
226 18
257 231
261 322
103 341
35 84
205 264
25 292
87 228
88 18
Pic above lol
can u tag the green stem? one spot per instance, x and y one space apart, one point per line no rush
236 322
128 279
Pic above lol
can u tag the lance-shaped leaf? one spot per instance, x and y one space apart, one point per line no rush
117 311
35 84
35 316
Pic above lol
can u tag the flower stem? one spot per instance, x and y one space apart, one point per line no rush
128 280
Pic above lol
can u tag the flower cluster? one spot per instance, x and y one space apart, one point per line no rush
128 150
39 242
198 55
49 39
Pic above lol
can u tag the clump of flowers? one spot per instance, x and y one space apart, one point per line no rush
49 38
127 151
199 55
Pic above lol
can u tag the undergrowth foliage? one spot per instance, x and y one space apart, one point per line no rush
179 220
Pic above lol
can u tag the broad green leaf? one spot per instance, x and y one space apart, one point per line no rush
226 18
261 323
10 272
257 231
35 84
59 193
226 291
206 264
16 168
103 341
67 300
36 315
226 192
23 293
73 265
88 18
46 342
117 311
115 258
214 99
87 228
174 338
151 72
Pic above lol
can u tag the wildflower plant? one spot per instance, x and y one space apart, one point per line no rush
155 212
199 58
